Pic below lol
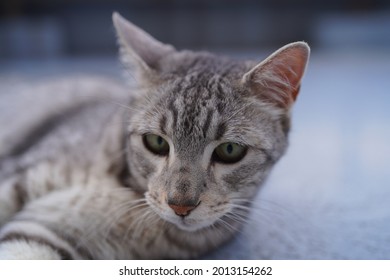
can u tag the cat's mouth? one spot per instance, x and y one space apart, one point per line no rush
188 224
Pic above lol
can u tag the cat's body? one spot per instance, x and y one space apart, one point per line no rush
170 173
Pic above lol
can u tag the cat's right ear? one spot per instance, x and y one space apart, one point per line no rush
138 49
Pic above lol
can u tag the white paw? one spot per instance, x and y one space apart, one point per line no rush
24 250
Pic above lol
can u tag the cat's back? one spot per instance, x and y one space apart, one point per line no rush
60 119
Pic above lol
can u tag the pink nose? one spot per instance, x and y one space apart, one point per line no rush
182 210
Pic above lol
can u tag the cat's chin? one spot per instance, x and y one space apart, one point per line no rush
188 224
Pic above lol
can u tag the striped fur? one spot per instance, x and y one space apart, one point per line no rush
84 186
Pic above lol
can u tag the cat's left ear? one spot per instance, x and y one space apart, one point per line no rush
139 49
277 79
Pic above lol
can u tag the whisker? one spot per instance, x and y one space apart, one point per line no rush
236 218
127 107
133 225
218 231
261 208
227 225
140 222
112 217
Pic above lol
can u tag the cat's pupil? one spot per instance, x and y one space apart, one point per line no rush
229 148
159 140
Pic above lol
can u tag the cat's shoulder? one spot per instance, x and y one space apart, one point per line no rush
57 111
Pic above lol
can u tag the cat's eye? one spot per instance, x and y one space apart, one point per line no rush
229 152
156 144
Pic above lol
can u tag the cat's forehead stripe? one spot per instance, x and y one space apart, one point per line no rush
163 123
174 112
207 122
220 131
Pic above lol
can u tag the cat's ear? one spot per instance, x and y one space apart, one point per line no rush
137 47
277 79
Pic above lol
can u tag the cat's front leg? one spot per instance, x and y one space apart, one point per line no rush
28 238
76 223
19 237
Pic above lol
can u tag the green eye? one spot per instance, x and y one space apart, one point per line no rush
156 144
229 152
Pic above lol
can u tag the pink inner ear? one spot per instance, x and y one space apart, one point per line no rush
293 63
277 79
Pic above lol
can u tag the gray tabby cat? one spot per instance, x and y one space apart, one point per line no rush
170 175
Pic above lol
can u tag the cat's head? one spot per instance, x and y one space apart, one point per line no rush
204 131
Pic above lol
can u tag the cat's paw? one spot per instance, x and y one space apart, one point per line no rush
25 250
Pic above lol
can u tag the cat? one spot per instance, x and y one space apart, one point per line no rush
167 172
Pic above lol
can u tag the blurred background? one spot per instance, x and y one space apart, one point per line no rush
57 28
329 197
